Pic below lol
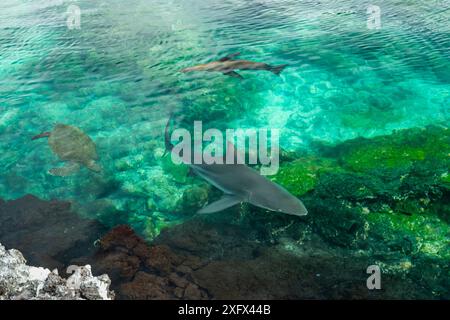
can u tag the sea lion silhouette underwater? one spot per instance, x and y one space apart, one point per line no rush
242 184
227 66
73 146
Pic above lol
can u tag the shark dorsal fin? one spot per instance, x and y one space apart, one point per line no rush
229 57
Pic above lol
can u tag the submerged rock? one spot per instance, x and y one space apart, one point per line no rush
48 233
121 254
202 259
19 281
397 151
346 186
141 271
394 215
301 175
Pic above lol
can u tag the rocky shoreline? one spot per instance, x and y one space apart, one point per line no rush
19 281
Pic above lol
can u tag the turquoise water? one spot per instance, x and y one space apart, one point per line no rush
117 78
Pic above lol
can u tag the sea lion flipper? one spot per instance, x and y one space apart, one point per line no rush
233 74
229 57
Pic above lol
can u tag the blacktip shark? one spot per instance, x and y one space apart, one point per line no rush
227 66
241 183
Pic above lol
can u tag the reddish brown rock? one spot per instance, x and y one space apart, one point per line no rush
141 271
146 286
178 281
192 292
123 238
121 254
118 265
162 259
120 236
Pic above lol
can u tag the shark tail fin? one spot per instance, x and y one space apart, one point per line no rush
167 142
223 203
278 69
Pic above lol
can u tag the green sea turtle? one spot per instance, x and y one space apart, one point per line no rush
73 146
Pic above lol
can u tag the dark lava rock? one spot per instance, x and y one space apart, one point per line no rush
141 271
347 185
121 254
209 239
210 258
285 270
145 286
201 259
48 233
338 223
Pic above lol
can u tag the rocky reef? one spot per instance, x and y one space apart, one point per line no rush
19 281
210 260
386 197
382 201
47 232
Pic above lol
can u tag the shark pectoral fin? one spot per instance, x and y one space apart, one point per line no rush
233 74
225 202
69 169
229 57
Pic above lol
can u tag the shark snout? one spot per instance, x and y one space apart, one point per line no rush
289 204
297 210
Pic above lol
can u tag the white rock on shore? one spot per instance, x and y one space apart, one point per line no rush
18 281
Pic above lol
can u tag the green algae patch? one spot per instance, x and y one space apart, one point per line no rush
178 172
194 198
341 184
387 156
445 180
154 225
401 149
338 222
412 234
301 176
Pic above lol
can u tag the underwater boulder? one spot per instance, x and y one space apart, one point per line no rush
349 186
398 150
301 176
411 234
151 182
120 254
433 274
194 198
145 286
339 223
48 233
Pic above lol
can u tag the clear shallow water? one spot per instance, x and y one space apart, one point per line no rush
117 78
